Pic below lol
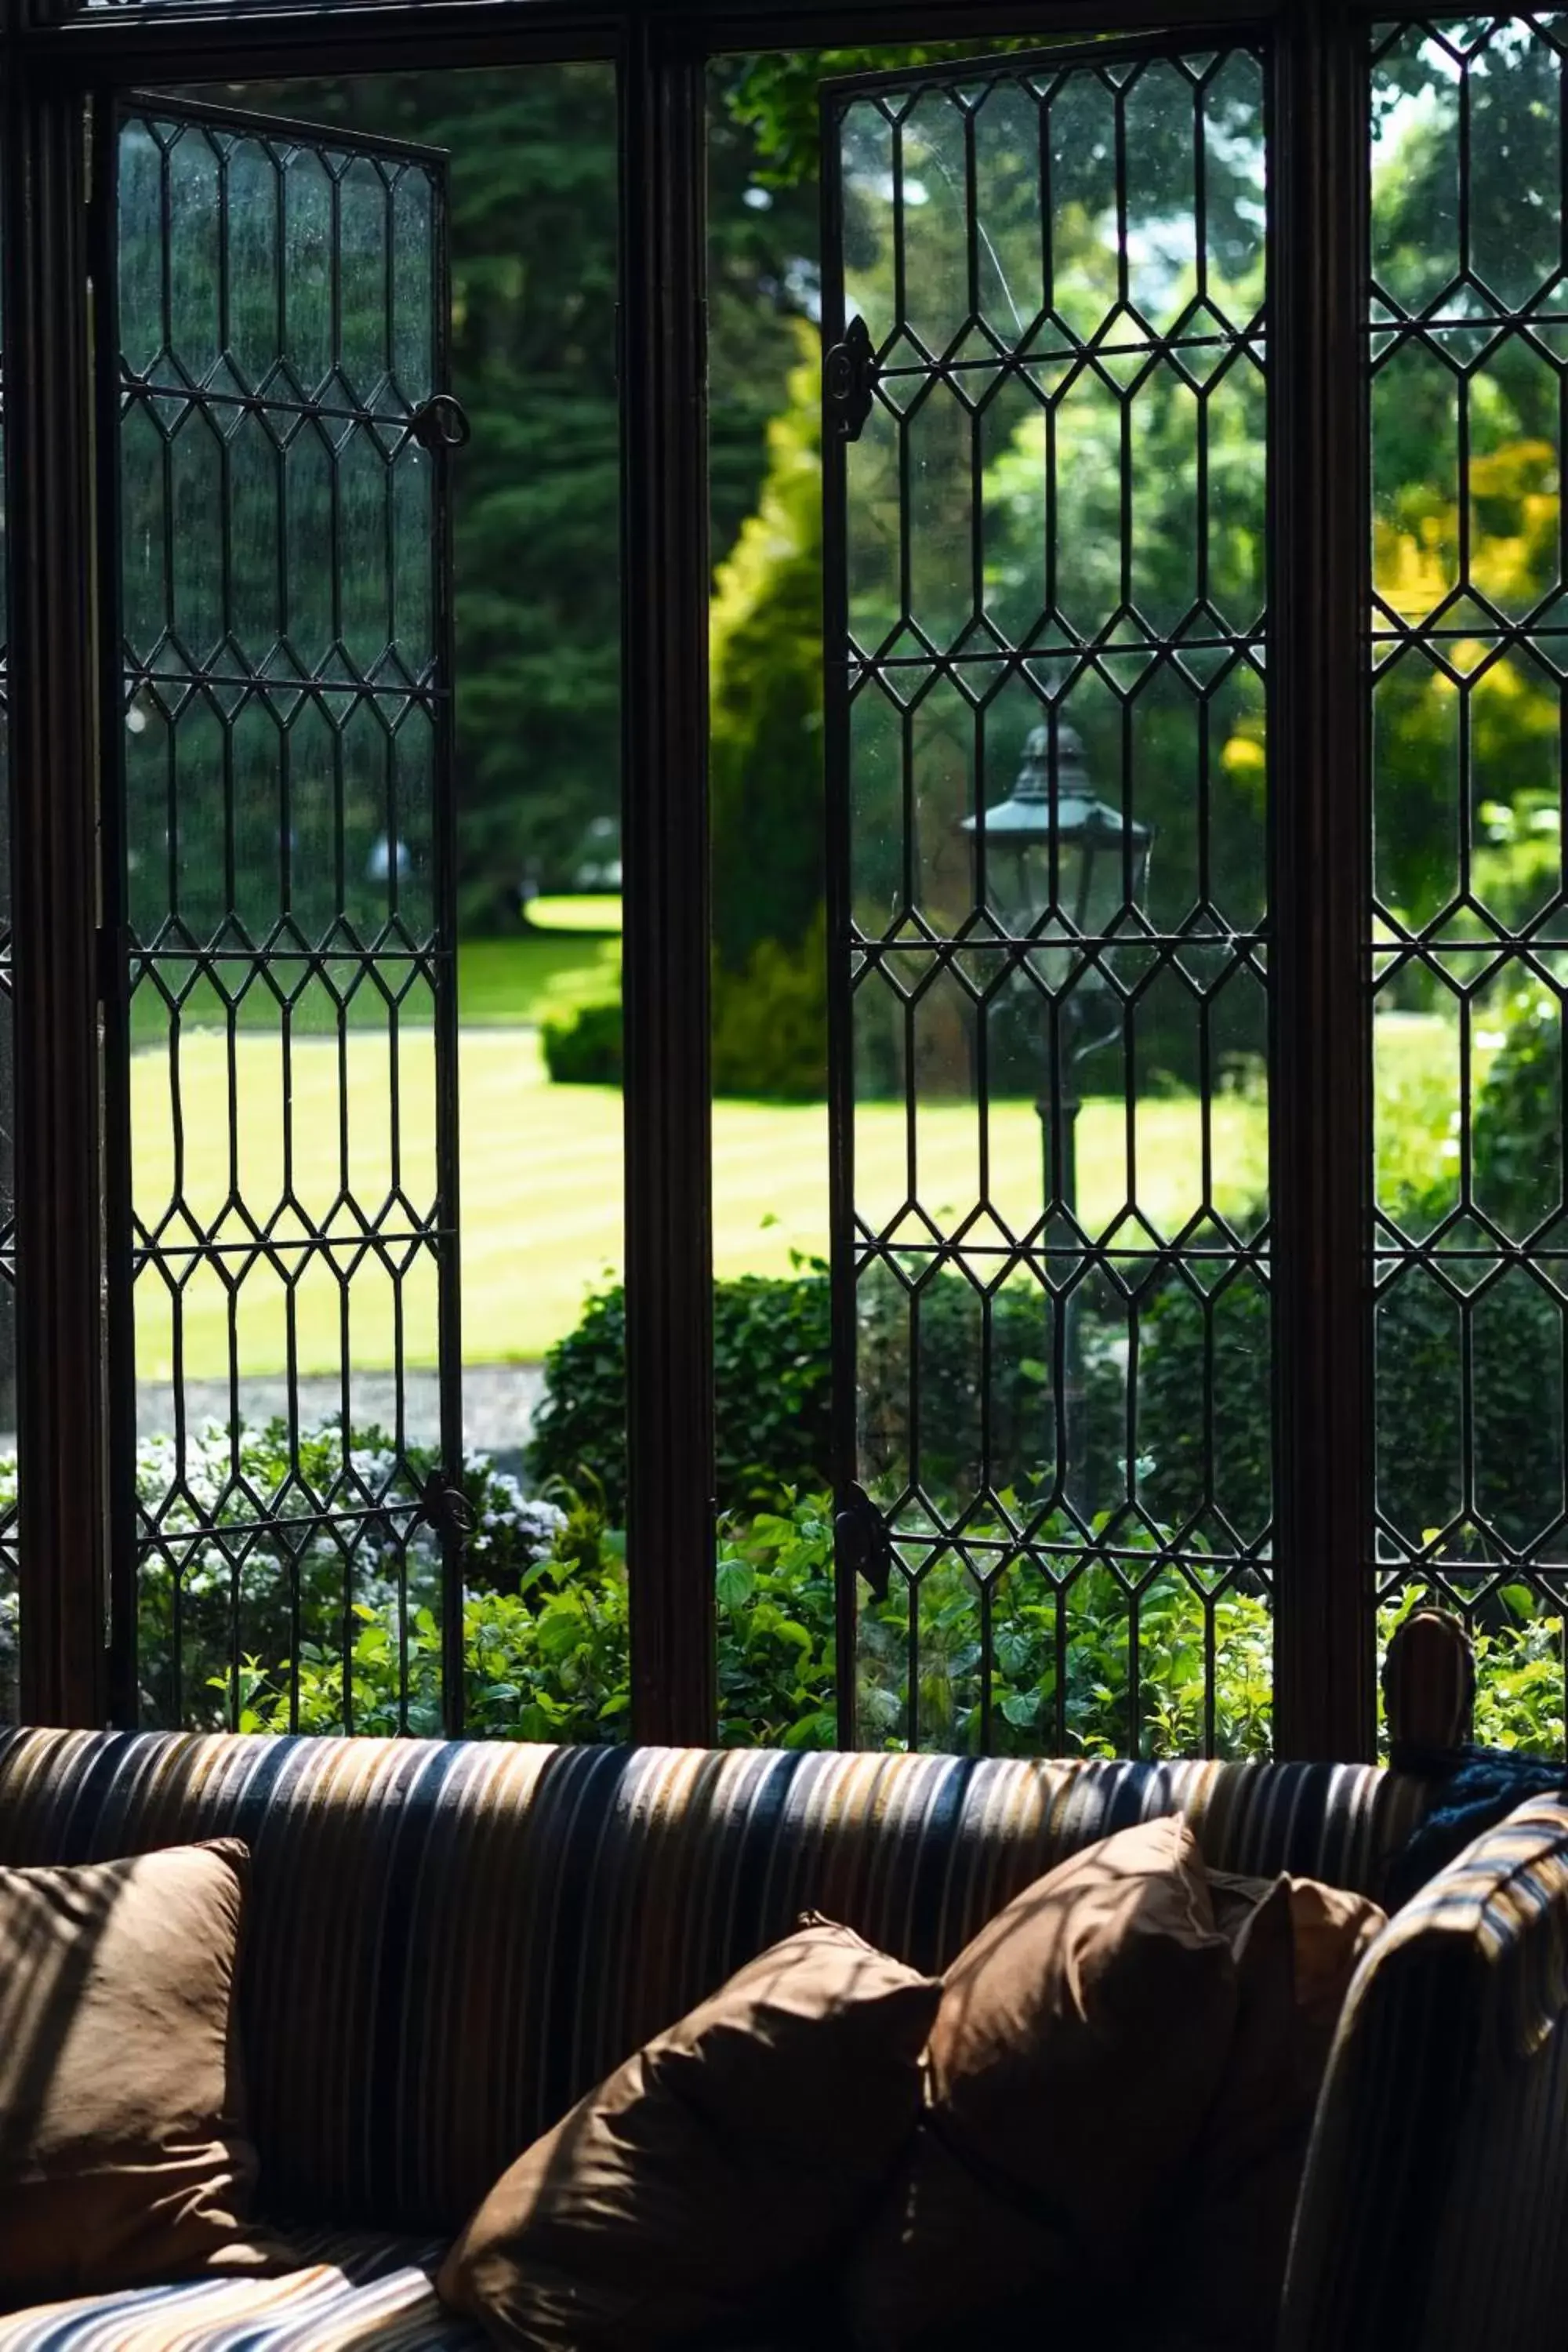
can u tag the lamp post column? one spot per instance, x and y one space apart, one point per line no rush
1064 1109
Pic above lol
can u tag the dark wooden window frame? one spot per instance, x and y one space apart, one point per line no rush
53 67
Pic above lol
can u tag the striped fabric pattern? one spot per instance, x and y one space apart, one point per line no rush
348 2292
1434 2215
449 1942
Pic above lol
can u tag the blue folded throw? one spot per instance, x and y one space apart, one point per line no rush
1480 1787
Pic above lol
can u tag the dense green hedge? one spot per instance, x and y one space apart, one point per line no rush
546 1647
773 1388
771 1394
1204 1393
545 1629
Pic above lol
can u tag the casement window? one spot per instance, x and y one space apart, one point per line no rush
1192 659
1051 547
279 434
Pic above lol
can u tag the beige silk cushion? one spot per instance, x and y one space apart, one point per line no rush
699 2184
124 2156
1080 2042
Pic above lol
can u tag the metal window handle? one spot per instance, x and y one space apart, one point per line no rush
441 423
861 1540
446 1507
849 375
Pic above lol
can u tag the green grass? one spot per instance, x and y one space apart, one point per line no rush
1417 1068
580 911
541 1169
501 983
541 1187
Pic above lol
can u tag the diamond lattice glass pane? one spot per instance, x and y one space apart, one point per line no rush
1467 357
1054 755
289 958
9 1598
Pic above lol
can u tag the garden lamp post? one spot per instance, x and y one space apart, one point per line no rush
1060 867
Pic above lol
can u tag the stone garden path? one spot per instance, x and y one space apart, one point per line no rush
499 1402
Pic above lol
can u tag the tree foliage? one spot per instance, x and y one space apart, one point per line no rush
536 494
766 639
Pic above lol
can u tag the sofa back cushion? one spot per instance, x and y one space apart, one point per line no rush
449 1943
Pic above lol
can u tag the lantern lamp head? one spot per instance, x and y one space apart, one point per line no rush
1044 822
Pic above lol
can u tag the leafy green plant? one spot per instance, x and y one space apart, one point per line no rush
224 1620
776 1612
1105 1638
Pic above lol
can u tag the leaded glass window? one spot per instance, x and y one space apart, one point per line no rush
285 953
1048 558
1466 335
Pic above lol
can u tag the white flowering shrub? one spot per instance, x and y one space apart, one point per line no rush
301 1591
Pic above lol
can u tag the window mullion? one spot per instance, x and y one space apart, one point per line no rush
54 762
664 591
1321 1096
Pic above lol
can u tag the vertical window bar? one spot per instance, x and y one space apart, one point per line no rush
54 749
117 972
664 600
1321 1092
454 1523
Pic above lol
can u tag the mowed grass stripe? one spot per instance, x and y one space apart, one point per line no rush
542 1185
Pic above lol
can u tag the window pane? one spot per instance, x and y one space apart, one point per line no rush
1469 649
773 1401
1056 764
9 1618
288 957
312 1112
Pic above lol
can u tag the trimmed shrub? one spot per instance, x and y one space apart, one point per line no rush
772 1389
1001 1434
773 1379
1173 1433
770 1022
770 1029
584 1048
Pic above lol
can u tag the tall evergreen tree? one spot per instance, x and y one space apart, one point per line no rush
534 198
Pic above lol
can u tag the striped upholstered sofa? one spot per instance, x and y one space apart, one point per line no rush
449 1942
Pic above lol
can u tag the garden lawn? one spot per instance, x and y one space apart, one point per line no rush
541 1188
501 983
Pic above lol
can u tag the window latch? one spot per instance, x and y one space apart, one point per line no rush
849 373
441 423
446 1507
861 1540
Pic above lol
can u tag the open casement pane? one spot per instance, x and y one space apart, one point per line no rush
1466 341
1046 423
282 1000
9 1598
